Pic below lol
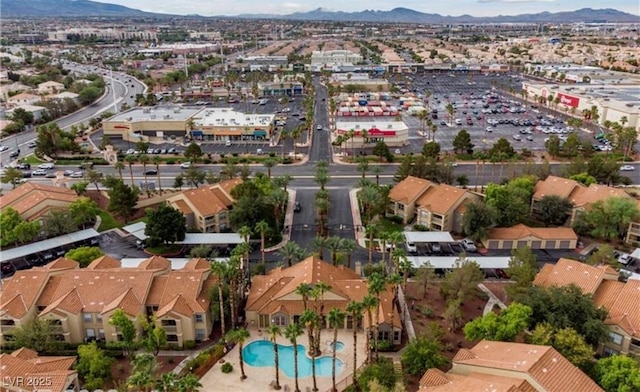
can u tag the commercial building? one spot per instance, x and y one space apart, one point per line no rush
229 124
273 298
620 299
150 124
335 60
206 209
368 133
264 63
508 367
79 301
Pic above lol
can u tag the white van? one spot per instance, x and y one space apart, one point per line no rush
458 121
411 247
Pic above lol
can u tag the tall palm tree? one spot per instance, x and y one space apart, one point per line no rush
239 336
336 320
319 289
283 181
394 280
234 267
144 159
262 227
333 243
371 230
317 245
304 290
189 383
355 309
292 333
383 236
311 321
274 331
130 160
376 285
377 170
156 161
222 272
119 166
167 382
368 303
347 247
290 252
363 166
269 163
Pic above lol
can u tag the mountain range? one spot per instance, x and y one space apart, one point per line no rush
87 8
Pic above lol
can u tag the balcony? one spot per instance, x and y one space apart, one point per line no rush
634 348
6 328
170 328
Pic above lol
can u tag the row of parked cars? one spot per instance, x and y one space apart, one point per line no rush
8 268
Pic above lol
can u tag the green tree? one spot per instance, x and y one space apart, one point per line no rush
194 177
610 218
94 366
567 341
292 332
477 219
274 331
503 327
510 201
335 319
127 330
239 336
431 149
80 188
583 178
523 267
381 150
462 142
84 255
12 176
94 177
381 372
618 373
153 337
83 210
553 146
123 200
604 255
421 354
165 224
15 229
404 169
355 310
553 210
193 152
502 147
58 222
35 334
462 280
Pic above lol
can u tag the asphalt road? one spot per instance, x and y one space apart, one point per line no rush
320 147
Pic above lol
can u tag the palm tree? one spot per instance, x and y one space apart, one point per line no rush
422 116
394 280
290 252
376 287
239 336
351 135
311 321
221 270
371 229
274 331
119 166
377 170
156 161
262 227
347 247
292 333
333 243
363 166
283 181
167 382
234 267
336 320
317 245
355 309
269 163
130 160
189 383
318 292
368 303
144 159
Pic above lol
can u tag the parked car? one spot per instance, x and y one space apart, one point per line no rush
436 248
627 168
411 247
185 165
23 166
77 174
14 154
297 207
7 269
468 245
624 258
31 145
3 148
228 143
151 172
46 166
39 172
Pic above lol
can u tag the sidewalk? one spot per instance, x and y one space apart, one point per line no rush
493 300
357 220
288 222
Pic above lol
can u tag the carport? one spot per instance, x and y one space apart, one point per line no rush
215 239
49 244
176 263
450 262
418 237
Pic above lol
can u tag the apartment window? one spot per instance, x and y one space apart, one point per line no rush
168 323
101 334
87 317
608 351
172 338
199 317
616 338
98 318
401 207
200 335
90 333
280 321
263 322
222 215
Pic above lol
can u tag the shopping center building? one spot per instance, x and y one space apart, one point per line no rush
393 133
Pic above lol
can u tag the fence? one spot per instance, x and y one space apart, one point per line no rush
405 315
347 380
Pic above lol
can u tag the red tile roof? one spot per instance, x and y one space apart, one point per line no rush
521 231
25 364
565 272
408 190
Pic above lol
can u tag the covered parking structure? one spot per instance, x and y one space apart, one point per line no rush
176 263
192 239
447 263
419 237
46 247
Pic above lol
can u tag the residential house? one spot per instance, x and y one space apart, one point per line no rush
33 201
23 99
50 87
441 207
581 197
23 370
508 367
37 111
80 302
520 235
273 298
206 209
66 95
620 299
403 197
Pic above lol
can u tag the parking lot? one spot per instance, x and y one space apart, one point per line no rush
292 111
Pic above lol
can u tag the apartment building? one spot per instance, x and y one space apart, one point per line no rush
207 208
273 300
79 302
620 299
508 367
439 207
23 368
520 235
33 201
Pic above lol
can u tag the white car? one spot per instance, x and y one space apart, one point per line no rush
468 245
46 166
4 148
228 143
185 165
411 247
627 168
624 258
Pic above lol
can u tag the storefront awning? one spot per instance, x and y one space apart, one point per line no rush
196 133
259 133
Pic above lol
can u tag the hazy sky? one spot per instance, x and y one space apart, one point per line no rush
444 7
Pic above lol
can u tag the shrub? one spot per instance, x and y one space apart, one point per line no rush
272 154
189 344
227 367
170 360
385 346
418 227
170 161
395 219
234 154
206 161
426 311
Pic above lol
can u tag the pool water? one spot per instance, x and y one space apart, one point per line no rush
339 346
260 354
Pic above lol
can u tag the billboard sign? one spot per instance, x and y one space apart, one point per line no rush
569 100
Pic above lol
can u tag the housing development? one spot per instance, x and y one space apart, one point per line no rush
321 201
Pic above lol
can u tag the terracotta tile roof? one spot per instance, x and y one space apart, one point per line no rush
155 263
544 364
440 198
183 207
434 380
565 272
276 290
409 189
19 294
26 364
521 231
595 192
206 201
188 285
29 195
621 301
177 305
104 262
127 301
553 185
197 264
61 263
228 185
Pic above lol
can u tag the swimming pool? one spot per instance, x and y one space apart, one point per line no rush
339 346
260 354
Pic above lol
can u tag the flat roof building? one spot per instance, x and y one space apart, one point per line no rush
229 124
393 133
150 123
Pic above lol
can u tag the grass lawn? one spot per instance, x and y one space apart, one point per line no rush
32 160
108 222
386 225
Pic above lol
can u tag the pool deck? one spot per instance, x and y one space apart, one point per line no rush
260 378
